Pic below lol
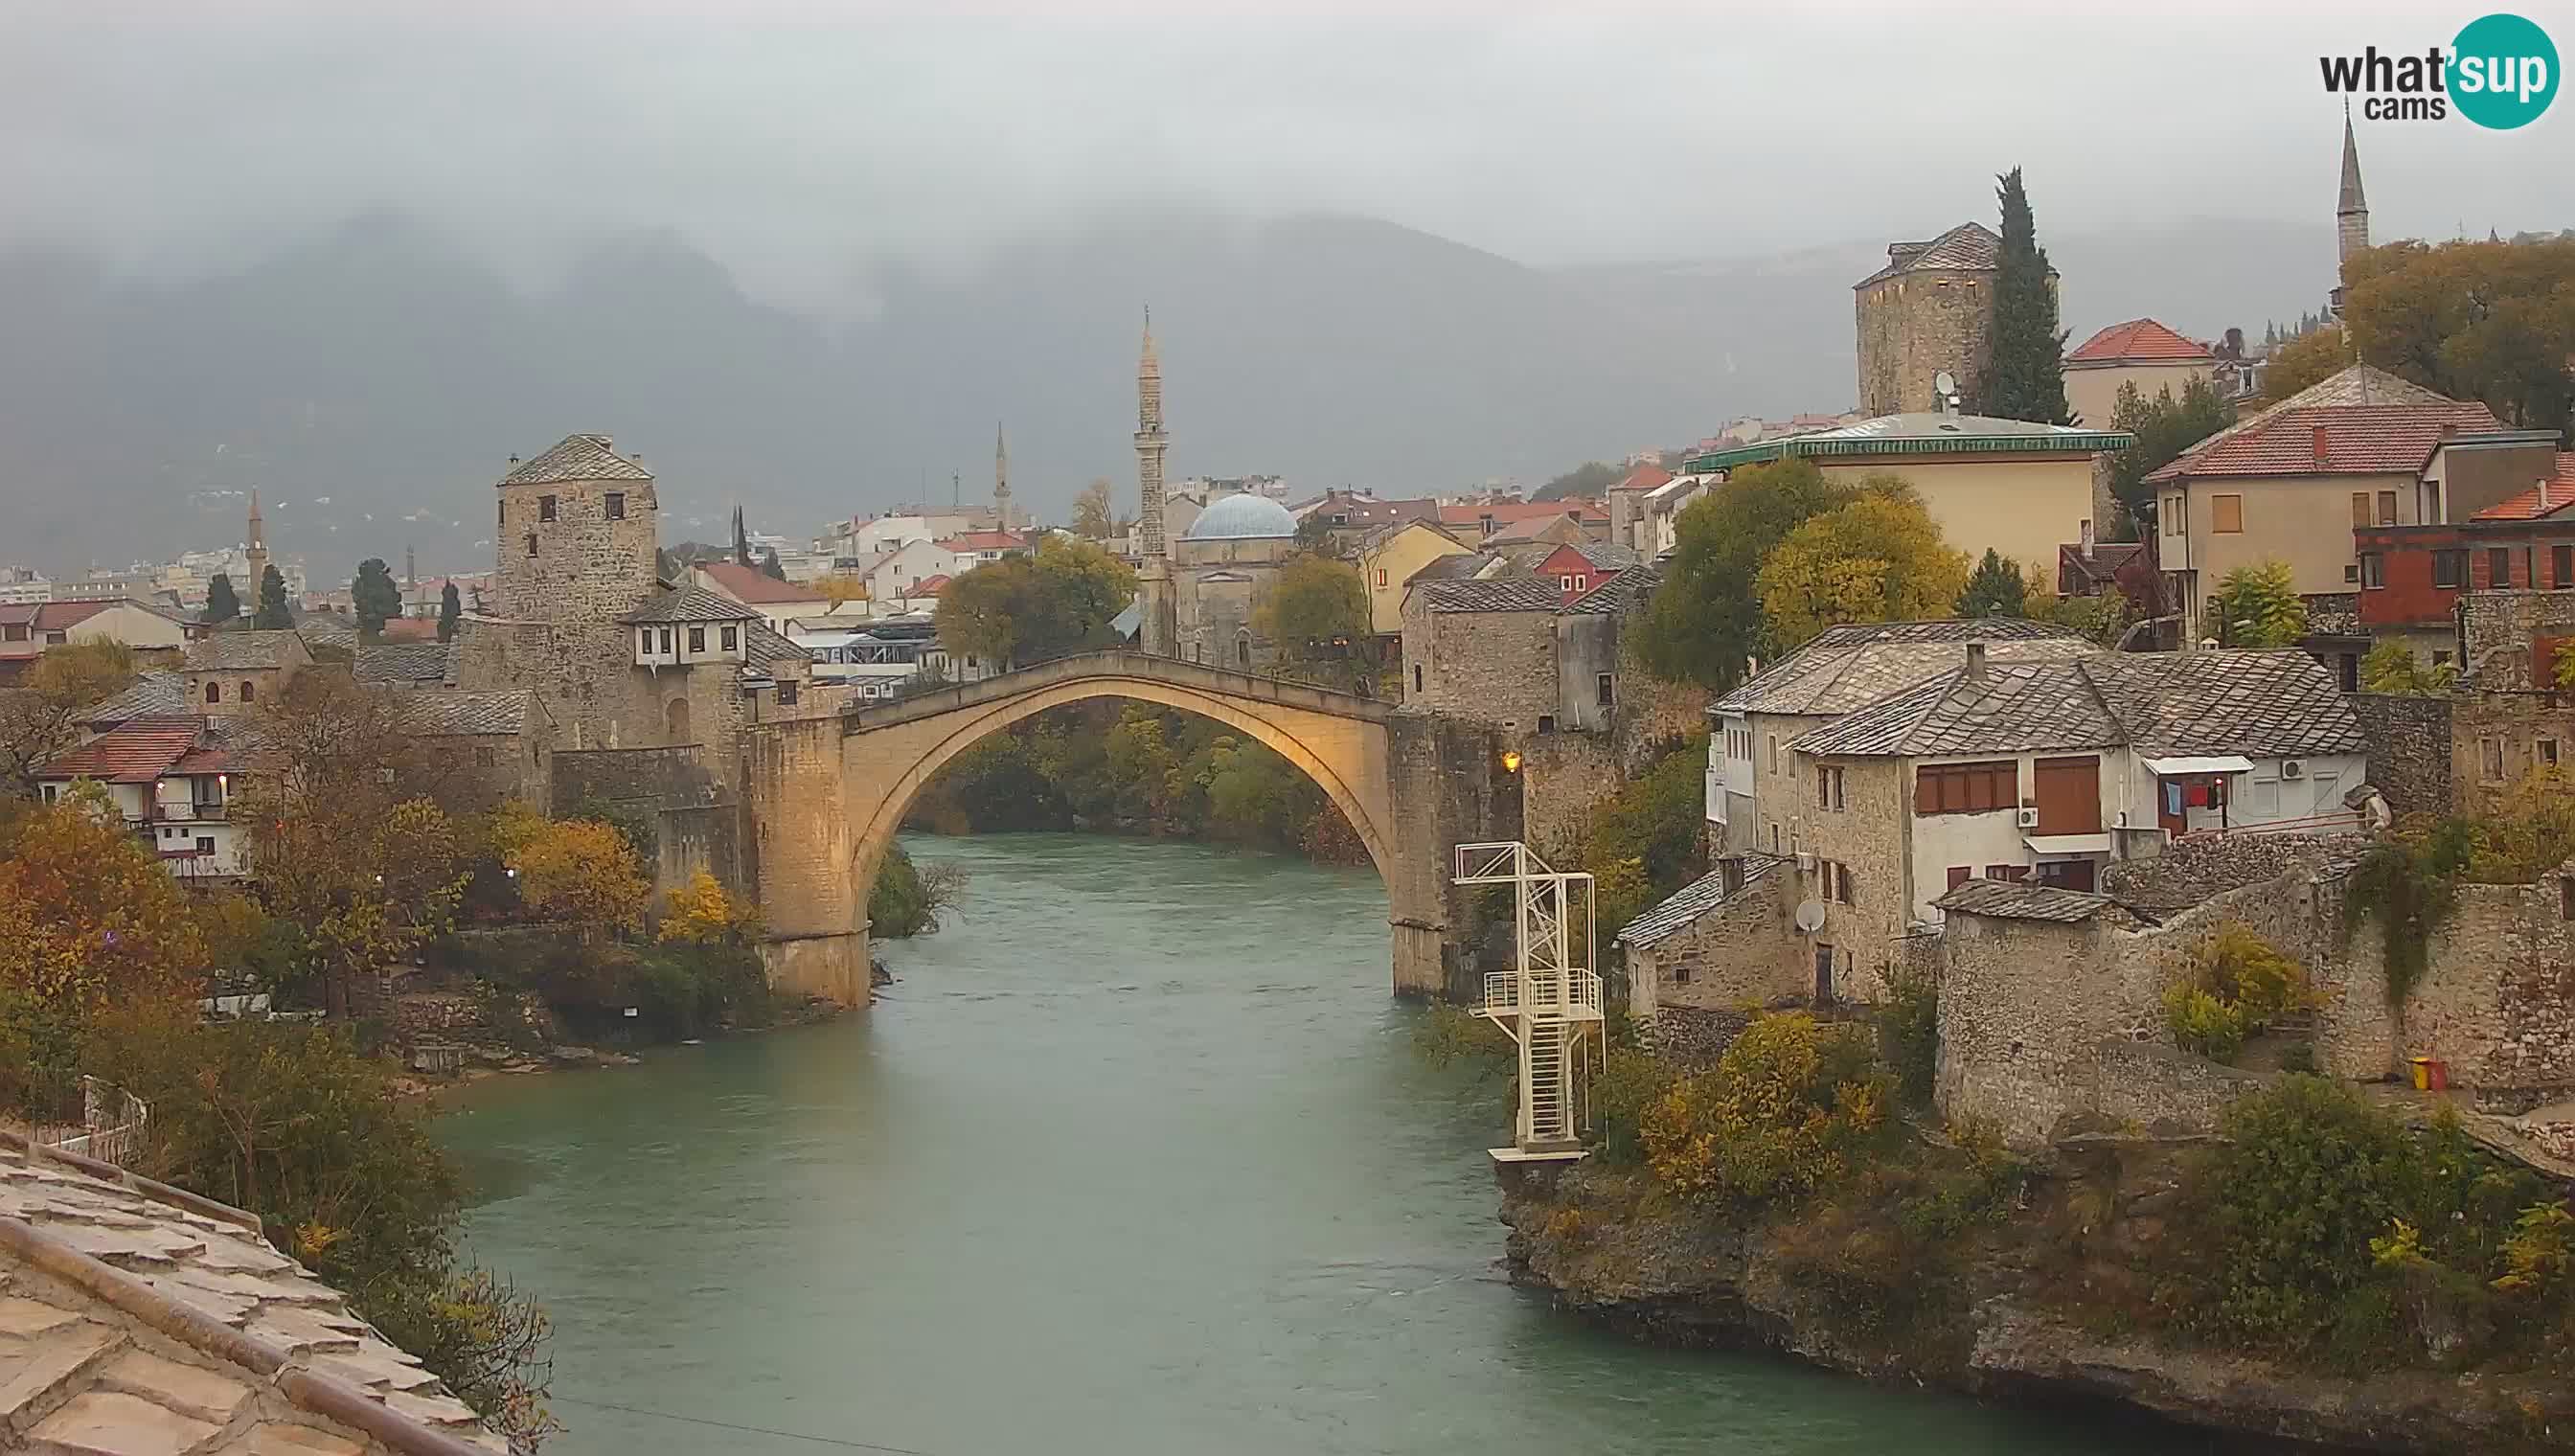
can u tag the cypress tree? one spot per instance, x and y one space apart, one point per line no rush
2026 378
740 540
376 596
770 568
449 612
272 615
222 604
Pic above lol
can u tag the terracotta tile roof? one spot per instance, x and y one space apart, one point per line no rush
1507 513
931 585
136 751
207 759
2539 501
1966 247
1532 527
2102 566
1848 668
2334 439
2141 341
1644 478
751 584
577 458
2361 385
1369 510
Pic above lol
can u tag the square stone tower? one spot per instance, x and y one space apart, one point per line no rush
579 536
1931 308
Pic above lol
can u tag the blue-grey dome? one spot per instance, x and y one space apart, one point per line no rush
1241 517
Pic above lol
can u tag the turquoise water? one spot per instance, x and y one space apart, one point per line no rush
1135 1157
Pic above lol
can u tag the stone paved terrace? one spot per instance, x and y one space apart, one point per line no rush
137 1320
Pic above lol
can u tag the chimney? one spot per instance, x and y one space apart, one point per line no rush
2321 452
1976 662
2543 494
2087 539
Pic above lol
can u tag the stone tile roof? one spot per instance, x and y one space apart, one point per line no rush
441 712
577 458
2102 567
138 751
2020 901
327 629
1968 247
1848 668
157 693
229 652
691 604
1692 900
1456 565
1620 595
2140 341
769 645
2539 501
403 663
2362 386
1605 556
2254 703
1498 594
136 1318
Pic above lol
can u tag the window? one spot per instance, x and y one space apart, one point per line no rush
643 639
2499 568
1775 753
505 514
1417 677
54 791
1564 583
2449 568
2547 751
2440 656
2177 514
1242 651
1943 788
2490 759
666 639
2561 566
1380 576
545 508
1828 785
1960 875
2432 502
697 638
2387 508
1581 582
1547 722
2373 570
1837 882
1681 971
731 638
205 843
485 756
1604 689
2360 516
617 505
2226 515
213 691
532 543
788 687
249 689
2351 573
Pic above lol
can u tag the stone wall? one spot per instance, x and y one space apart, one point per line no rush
1494 666
1564 776
1866 835
1744 952
2157 1089
2496 630
1447 788
2025 1007
2191 871
1913 325
2409 750
2497 739
1652 712
803 854
633 778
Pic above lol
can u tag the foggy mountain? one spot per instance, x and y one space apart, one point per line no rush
372 383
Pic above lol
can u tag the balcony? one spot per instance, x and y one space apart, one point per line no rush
1573 995
166 812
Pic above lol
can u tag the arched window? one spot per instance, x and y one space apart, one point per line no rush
249 689
675 718
1417 677
213 691
1242 650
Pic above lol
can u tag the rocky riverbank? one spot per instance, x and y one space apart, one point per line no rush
2047 1302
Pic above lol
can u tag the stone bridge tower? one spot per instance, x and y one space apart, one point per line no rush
579 539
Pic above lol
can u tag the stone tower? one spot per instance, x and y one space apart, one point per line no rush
1002 480
579 538
1929 310
255 552
1157 630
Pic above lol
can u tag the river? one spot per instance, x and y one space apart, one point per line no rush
1135 1157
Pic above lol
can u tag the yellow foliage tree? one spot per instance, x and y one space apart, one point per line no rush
88 916
702 913
1775 1119
1879 558
581 871
843 587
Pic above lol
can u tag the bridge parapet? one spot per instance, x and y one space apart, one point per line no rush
1037 677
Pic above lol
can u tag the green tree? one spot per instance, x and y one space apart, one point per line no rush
2490 321
770 567
378 599
1027 609
1879 558
2260 606
451 610
1091 512
1315 605
272 615
220 603
1588 479
2394 667
1314 535
2310 359
2164 428
2025 379
1704 624
1995 589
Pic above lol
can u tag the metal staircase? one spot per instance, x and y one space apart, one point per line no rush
1549 1002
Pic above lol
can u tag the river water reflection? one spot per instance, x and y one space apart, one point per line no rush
1136 1159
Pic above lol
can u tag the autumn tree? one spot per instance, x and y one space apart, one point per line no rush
2310 359
2393 668
1879 558
581 871
841 587
701 912
1995 589
2163 428
1316 608
88 916
272 615
1704 624
2490 321
1585 480
40 718
1091 512
451 613
222 604
1028 607
2258 606
378 599
2025 378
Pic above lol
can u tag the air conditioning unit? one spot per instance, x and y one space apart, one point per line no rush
2293 767
2029 819
1805 861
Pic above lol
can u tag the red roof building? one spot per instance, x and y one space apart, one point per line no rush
2411 577
1479 519
753 587
1644 478
2141 341
137 752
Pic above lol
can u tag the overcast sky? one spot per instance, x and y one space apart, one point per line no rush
792 140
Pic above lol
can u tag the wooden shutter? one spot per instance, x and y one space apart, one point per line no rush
2226 514
2068 791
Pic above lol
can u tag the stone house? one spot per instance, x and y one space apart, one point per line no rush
2020 488
482 749
1516 652
234 672
1626 501
2139 351
1928 312
1389 556
1717 944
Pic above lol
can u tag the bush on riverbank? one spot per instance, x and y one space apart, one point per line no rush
908 899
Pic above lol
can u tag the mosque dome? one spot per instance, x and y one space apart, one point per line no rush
1242 517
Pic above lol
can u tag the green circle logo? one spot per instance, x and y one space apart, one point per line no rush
2503 71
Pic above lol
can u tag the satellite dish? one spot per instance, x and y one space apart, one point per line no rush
1944 384
1810 917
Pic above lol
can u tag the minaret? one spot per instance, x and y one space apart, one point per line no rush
2351 211
1000 478
1157 633
255 551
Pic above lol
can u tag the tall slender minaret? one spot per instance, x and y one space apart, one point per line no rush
2351 212
255 551
1157 631
1002 479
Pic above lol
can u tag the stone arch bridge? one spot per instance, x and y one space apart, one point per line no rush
824 796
